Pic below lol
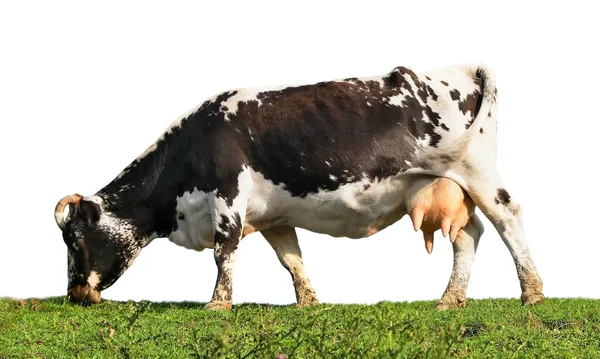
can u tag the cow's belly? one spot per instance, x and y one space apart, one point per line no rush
354 210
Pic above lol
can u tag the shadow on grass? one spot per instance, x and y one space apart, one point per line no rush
156 306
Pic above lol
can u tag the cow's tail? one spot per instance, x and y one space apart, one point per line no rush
488 102
454 153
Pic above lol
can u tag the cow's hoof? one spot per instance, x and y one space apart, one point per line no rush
532 297
218 305
446 304
307 302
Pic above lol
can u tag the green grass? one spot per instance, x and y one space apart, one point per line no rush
53 328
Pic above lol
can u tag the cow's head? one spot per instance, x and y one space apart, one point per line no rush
100 246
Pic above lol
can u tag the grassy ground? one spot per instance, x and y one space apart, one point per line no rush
53 328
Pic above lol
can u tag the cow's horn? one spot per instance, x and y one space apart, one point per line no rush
59 211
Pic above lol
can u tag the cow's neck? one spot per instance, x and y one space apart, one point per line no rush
145 193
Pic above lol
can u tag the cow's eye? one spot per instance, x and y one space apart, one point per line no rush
180 216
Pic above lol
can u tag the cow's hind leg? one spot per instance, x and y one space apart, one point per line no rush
487 191
464 248
228 205
285 243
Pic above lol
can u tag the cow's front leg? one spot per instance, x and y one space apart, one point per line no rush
228 216
285 243
225 255
464 248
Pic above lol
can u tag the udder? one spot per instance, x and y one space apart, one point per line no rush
438 204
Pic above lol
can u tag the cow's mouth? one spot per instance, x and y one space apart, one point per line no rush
84 293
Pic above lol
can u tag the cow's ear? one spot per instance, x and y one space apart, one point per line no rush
89 211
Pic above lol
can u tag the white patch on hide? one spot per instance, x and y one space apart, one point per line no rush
94 279
195 230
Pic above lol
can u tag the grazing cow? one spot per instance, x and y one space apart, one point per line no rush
346 158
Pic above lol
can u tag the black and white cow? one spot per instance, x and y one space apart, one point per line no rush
334 157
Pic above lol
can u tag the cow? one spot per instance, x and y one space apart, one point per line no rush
346 158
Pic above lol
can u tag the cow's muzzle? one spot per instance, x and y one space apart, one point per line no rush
83 293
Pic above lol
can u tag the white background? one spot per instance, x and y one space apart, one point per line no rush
84 89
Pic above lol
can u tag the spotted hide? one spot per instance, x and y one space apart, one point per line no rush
335 157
